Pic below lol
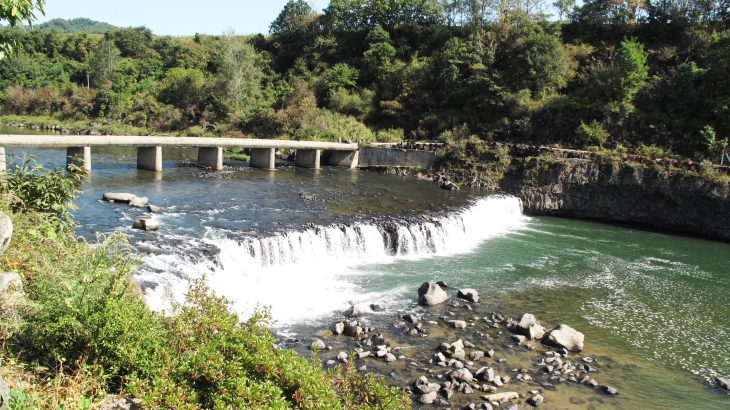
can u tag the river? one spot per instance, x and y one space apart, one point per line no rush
652 305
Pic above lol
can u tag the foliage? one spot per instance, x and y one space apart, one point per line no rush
592 133
14 12
30 186
651 151
76 25
648 72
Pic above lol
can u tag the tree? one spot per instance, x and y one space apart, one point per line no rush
17 11
292 18
539 63
103 63
183 87
564 7
239 76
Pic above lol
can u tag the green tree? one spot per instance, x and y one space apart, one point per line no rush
183 87
341 75
295 15
539 63
633 69
103 63
239 76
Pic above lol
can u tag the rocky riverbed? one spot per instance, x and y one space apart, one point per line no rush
458 353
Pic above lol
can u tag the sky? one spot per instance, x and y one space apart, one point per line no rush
175 17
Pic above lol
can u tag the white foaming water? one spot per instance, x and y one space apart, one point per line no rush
306 274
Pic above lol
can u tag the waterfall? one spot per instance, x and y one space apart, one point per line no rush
321 261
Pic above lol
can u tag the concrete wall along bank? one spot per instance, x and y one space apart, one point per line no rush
385 157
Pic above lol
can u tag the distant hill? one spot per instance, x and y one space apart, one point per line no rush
76 25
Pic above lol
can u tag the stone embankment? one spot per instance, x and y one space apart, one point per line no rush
660 193
627 193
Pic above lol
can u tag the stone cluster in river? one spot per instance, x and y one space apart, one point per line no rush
134 201
467 370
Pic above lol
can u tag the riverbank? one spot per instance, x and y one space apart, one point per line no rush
682 196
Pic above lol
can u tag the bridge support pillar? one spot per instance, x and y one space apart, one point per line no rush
308 158
149 158
211 157
347 159
263 158
78 156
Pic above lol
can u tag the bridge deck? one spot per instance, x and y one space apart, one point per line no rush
64 141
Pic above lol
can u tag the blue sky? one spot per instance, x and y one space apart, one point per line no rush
175 17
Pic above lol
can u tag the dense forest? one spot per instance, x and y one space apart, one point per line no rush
610 74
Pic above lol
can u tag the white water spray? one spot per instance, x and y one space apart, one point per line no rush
304 274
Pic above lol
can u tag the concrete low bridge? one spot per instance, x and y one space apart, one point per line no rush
210 150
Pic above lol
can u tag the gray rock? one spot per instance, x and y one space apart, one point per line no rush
430 294
442 284
4 395
723 383
461 376
317 344
458 324
352 330
118 197
112 402
139 202
449 186
390 357
535 400
536 331
519 339
565 336
146 224
428 398
353 311
376 307
412 318
155 209
609 390
342 356
468 294
6 231
477 355
338 328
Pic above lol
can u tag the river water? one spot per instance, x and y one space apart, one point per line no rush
652 305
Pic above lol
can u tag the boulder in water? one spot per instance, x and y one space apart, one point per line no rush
118 197
449 186
317 344
430 294
353 311
468 294
154 209
565 336
139 202
723 383
377 307
510 395
146 224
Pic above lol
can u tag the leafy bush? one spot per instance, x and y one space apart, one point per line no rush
592 133
30 186
651 151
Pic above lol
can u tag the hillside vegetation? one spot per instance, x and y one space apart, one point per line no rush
642 77
76 25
